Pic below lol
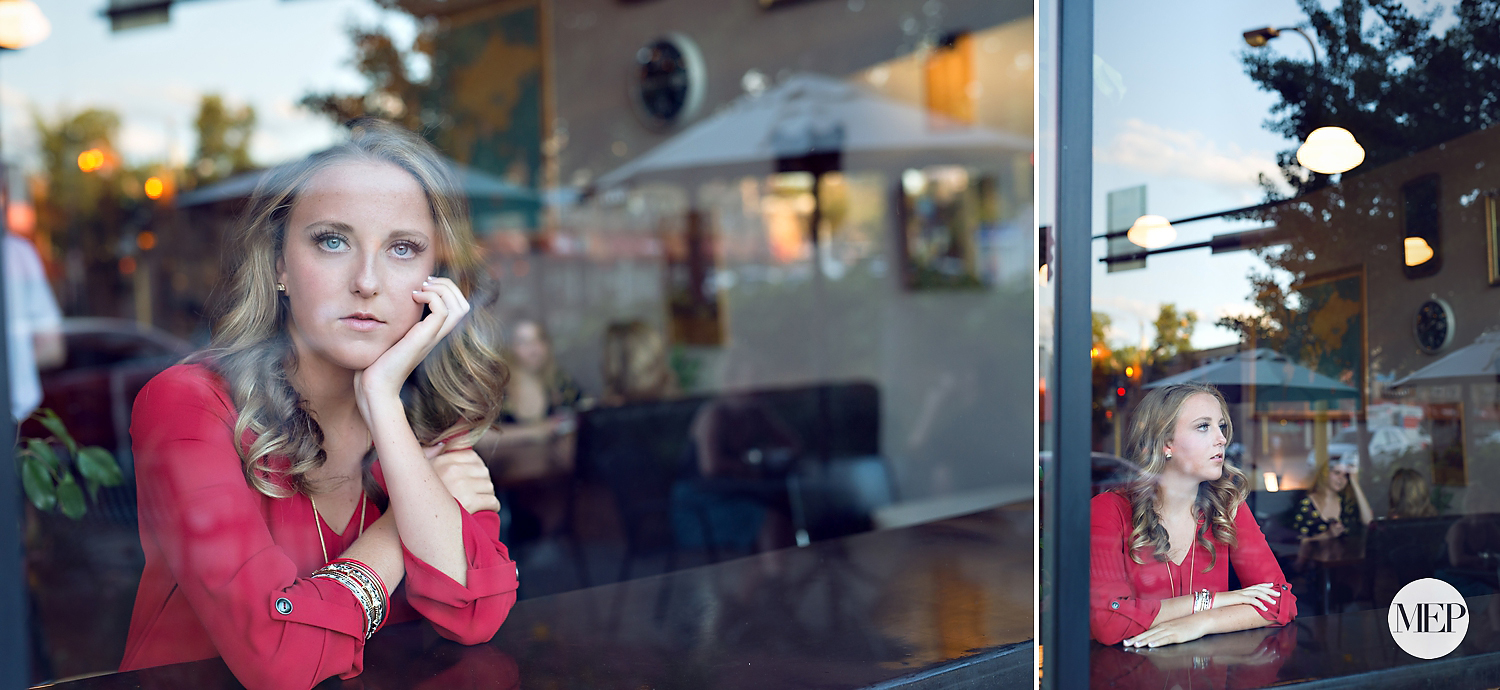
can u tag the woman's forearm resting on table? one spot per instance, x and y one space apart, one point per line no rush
428 519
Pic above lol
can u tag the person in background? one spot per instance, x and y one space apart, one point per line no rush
33 325
316 456
533 438
1335 505
1411 495
1162 548
635 364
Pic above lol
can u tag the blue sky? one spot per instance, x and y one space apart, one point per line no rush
264 52
1188 125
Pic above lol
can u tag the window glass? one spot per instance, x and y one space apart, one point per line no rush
1337 286
765 269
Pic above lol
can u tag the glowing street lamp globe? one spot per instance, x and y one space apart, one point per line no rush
1151 232
22 24
1330 150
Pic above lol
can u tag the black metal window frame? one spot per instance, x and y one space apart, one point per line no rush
1065 620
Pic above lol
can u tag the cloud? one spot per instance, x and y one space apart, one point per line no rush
1160 151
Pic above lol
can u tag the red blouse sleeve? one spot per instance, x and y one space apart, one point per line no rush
1115 610
272 628
1254 564
471 613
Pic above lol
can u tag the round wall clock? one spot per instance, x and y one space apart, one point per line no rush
1434 325
667 86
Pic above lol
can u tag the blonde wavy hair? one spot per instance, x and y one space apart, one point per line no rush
453 394
1411 495
1152 425
635 364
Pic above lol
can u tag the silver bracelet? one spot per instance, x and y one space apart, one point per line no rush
368 600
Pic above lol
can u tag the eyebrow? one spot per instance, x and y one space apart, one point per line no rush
340 226
1202 419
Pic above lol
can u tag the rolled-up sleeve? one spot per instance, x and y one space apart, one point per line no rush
470 613
1115 610
272 628
1255 564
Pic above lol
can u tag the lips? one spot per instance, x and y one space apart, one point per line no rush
362 321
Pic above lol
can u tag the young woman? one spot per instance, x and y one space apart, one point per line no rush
1411 495
1162 547
1334 504
316 455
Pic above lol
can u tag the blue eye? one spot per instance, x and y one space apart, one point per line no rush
332 243
405 250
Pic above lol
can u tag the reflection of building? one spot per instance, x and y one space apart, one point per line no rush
728 259
1418 231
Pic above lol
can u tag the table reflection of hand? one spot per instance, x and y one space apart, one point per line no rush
1225 649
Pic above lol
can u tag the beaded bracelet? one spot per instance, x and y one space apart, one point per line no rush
1202 600
366 586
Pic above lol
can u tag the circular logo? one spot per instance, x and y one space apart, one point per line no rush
1428 618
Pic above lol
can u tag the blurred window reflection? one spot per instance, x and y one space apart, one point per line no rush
765 267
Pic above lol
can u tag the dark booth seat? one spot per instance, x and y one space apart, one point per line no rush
642 452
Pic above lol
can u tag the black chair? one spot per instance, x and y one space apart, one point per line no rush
1400 551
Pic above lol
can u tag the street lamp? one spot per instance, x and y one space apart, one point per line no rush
22 24
1327 150
1151 232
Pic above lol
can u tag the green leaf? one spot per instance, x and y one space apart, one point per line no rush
37 481
54 424
70 497
43 451
97 464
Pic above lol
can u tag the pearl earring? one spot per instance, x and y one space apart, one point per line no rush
281 287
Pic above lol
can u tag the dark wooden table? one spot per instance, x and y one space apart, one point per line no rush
1347 650
943 604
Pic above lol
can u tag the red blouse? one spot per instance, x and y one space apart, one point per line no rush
219 555
1125 596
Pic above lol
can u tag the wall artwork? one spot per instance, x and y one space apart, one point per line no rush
1327 333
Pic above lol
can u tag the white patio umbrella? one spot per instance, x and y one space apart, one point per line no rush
1471 363
475 185
810 114
1272 376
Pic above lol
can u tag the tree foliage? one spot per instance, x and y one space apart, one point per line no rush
1388 75
223 140
393 92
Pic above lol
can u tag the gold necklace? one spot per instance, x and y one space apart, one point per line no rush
318 526
1171 586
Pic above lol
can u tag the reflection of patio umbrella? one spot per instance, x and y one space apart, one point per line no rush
475 184
815 114
1272 375
1469 364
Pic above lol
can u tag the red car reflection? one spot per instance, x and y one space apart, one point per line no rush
108 362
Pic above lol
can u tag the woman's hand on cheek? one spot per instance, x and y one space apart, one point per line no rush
389 371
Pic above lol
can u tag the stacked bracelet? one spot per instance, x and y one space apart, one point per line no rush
365 584
1203 600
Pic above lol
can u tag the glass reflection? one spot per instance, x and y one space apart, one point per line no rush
1344 310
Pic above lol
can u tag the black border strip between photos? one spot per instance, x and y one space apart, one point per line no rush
1065 653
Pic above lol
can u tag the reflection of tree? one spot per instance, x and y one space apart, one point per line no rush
1388 75
1126 366
393 93
223 140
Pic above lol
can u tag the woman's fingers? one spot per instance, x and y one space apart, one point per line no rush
455 305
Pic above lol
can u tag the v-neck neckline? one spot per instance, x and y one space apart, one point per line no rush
323 524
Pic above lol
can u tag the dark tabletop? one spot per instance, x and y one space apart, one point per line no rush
1353 650
946 600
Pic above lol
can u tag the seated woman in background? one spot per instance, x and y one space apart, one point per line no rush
1411 495
1333 507
316 456
538 399
1162 547
635 364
